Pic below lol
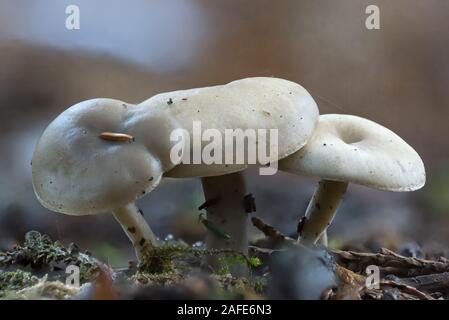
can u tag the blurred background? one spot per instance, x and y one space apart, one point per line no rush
397 76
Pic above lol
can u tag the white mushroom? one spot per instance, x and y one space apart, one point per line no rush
100 156
252 103
345 149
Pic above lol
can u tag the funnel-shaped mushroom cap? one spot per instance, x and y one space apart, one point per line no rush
76 172
251 103
353 149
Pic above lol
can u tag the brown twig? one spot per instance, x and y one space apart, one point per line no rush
407 289
389 263
274 238
437 282
267 230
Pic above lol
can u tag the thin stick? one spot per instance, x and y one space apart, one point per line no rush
407 289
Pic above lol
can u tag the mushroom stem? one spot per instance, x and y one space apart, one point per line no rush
321 210
323 239
136 228
227 213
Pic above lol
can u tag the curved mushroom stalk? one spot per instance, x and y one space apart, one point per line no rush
226 212
321 210
136 228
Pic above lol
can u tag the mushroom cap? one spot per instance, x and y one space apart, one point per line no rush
76 172
353 149
251 103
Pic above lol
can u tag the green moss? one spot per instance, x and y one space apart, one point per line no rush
166 278
40 252
170 264
16 280
233 287
163 259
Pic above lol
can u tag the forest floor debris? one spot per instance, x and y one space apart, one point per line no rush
36 269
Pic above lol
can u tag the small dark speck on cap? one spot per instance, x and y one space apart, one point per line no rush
150 179
170 101
184 99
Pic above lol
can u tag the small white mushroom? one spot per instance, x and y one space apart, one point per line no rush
345 149
100 156
252 103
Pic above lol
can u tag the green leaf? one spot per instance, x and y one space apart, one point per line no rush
255 262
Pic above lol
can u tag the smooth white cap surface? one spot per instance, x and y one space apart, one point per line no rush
251 103
353 149
76 172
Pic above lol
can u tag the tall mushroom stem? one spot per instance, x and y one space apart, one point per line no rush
227 212
321 210
136 228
